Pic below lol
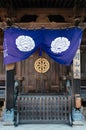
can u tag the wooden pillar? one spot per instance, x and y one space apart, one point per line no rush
18 70
76 86
76 73
19 76
77 114
9 108
9 86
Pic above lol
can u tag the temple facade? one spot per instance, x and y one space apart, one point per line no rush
39 89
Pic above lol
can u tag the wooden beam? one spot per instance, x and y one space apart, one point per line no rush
37 25
47 11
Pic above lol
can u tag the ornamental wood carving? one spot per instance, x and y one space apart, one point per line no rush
41 65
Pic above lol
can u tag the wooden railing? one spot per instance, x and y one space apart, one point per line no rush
42 109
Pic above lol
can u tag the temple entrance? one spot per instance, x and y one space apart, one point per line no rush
43 96
43 75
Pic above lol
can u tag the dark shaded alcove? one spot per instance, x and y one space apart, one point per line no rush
28 18
56 18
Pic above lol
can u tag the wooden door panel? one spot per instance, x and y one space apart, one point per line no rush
48 82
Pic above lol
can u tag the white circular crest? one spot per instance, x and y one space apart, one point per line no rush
60 44
25 43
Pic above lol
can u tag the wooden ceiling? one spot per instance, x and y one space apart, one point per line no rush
42 3
67 10
61 10
10 8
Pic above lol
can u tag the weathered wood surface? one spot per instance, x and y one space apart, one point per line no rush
34 82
